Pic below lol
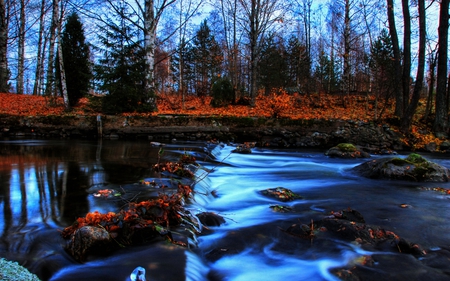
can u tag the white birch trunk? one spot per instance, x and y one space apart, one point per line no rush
63 76
51 52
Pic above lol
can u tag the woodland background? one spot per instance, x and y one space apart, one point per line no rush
358 59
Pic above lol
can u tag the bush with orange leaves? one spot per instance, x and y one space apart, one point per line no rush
277 104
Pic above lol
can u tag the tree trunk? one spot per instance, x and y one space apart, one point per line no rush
253 52
40 53
49 87
432 65
409 114
346 73
151 20
406 75
21 50
397 66
63 76
4 72
441 119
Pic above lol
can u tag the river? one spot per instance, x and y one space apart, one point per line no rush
46 184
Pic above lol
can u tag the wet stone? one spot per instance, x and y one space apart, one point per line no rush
280 193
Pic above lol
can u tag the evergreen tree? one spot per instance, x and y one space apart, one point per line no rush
382 64
326 73
272 65
207 58
76 59
121 71
298 65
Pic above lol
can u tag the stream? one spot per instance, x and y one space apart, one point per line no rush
46 184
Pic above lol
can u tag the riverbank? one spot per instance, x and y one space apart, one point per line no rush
266 132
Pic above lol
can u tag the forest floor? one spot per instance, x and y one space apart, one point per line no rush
276 105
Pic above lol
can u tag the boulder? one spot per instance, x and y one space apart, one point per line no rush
86 240
347 150
412 168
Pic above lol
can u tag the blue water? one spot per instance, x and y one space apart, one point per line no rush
46 185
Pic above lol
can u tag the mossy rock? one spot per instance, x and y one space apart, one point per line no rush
346 150
412 168
346 147
280 193
13 271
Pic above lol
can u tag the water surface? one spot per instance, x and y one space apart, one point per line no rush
46 184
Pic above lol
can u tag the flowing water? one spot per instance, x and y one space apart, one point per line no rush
46 184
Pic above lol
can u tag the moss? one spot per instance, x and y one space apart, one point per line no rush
416 158
399 161
346 147
14 271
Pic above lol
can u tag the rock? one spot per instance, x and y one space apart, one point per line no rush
13 271
87 240
412 168
245 148
347 150
280 193
210 219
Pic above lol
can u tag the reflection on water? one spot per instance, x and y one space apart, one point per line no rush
46 185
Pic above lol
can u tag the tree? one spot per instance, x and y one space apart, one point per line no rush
383 68
298 65
49 86
326 73
207 58
406 74
4 71
39 71
397 59
441 120
259 17
120 73
21 48
151 18
412 105
272 65
76 55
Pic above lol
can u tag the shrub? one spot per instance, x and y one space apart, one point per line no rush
222 93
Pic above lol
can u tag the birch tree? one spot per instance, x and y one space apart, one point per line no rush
152 16
49 87
4 71
21 48
39 71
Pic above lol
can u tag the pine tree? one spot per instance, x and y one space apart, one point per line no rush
272 65
121 72
207 58
76 59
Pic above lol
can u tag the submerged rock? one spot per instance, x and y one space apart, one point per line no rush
412 168
245 148
280 193
210 219
347 150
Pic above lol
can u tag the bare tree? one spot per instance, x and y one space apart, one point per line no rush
21 49
397 59
412 105
259 16
442 99
39 71
49 87
4 72
229 14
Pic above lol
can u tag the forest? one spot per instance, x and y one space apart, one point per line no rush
152 55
